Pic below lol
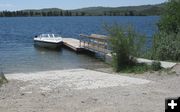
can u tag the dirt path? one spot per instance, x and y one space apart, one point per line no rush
83 90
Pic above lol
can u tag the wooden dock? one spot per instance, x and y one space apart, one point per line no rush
94 43
94 46
73 44
82 45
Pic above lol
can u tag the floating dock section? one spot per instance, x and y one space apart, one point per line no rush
73 44
94 43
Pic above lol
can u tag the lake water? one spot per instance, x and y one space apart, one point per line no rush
17 53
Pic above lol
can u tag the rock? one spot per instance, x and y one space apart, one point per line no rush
22 94
43 94
3 98
177 69
144 93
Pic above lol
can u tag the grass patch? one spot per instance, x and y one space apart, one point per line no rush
138 68
3 79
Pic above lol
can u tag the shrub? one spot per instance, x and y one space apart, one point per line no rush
156 65
170 20
2 79
125 44
166 46
166 43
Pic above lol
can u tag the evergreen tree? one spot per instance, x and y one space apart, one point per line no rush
61 13
77 14
131 13
82 13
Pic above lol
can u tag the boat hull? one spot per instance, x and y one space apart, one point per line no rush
48 45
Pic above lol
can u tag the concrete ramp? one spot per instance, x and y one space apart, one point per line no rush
164 64
74 79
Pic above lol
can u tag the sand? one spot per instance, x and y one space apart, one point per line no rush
82 90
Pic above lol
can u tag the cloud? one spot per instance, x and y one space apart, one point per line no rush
5 5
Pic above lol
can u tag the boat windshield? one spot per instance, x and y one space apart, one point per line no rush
49 35
56 35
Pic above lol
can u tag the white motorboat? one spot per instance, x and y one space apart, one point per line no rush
51 41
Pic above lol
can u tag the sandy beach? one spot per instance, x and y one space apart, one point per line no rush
83 90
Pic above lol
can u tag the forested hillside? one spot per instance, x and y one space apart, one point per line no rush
144 10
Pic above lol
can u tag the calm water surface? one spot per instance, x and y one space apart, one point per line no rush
17 53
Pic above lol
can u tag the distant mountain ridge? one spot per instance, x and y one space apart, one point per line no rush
44 9
143 10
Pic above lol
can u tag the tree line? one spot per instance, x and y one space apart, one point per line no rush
66 13
36 13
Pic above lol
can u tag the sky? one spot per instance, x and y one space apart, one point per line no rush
13 5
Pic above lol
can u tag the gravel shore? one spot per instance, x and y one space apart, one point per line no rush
82 90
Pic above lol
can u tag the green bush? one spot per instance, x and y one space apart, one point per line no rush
156 65
166 46
2 79
170 20
125 44
166 43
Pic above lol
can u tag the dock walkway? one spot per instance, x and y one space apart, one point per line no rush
73 44
87 43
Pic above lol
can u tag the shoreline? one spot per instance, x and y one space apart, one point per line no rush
85 90
80 78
